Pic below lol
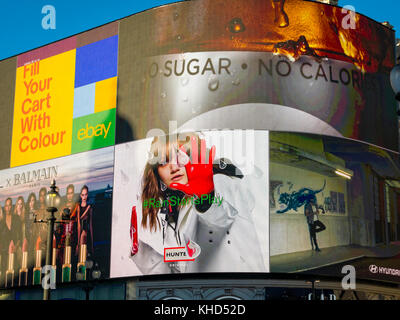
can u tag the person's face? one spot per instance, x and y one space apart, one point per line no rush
32 203
19 205
70 194
7 206
172 173
84 195
42 196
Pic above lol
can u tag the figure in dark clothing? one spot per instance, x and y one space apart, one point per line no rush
311 211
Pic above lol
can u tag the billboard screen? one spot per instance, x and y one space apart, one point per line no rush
333 202
289 65
85 182
65 97
202 216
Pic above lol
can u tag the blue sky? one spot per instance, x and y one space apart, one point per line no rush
21 29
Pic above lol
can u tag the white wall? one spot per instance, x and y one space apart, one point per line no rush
289 231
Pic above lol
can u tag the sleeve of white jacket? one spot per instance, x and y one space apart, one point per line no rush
235 198
149 261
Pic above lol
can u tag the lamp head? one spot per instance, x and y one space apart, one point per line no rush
89 262
96 273
52 199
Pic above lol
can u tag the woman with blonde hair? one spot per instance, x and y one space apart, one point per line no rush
189 201
19 210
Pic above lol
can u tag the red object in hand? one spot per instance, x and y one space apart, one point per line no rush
200 175
133 232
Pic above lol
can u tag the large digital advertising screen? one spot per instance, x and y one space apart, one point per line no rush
191 203
333 202
85 184
65 97
289 65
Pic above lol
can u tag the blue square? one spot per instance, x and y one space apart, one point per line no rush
96 61
84 100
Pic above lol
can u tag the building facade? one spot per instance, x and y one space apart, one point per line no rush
298 113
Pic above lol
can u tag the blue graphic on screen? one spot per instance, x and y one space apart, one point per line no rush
296 199
96 61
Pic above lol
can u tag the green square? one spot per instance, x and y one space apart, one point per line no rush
93 131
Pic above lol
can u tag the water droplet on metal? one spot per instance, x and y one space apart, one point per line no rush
236 25
213 83
236 82
163 94
184 81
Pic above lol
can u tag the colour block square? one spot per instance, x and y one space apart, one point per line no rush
84 98
106 95
93 131
96 61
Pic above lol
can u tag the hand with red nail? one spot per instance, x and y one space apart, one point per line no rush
200 175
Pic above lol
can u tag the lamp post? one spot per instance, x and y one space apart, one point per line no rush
94 274
312 295
52 203
53 200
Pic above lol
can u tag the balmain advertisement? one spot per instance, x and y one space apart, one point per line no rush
85 183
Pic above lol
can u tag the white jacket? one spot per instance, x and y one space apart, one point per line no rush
226 234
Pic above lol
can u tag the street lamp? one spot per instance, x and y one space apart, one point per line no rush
53 201
312 294
94 275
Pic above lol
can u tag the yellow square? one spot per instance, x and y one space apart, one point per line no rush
105 94
43 109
